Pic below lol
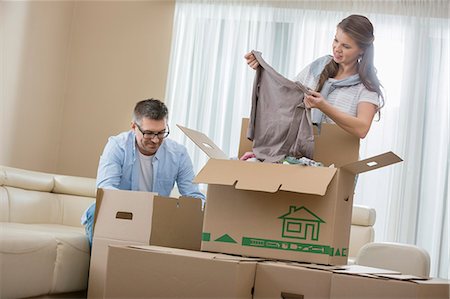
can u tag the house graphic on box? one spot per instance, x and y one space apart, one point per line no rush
301 223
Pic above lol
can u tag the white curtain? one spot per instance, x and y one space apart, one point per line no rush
209 89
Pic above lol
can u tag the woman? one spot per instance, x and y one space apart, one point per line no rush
344 87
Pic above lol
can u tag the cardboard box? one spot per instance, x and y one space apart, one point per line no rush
161 272
286 212
290 281
362 286
141 218
294 280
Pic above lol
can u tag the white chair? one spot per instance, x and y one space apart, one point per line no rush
361 231
405 258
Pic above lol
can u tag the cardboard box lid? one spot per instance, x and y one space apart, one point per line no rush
271 177
204 143
372 163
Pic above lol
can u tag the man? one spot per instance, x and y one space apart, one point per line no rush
142 159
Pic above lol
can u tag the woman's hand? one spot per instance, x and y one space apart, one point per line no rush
358 125
247 156
314 100
251 60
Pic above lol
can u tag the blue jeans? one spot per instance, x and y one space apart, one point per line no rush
89 225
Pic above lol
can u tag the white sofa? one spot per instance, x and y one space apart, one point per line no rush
361 230
44 251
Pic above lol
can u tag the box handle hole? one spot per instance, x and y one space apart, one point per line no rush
207 145
124 215
291 296
371 164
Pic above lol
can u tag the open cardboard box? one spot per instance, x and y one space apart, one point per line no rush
140 218
287 212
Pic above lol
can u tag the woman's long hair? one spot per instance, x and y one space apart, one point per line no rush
360 29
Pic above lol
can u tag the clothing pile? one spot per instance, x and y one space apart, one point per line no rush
302 161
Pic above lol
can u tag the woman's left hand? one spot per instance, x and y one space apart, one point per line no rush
314 100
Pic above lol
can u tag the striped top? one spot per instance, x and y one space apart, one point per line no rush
345 99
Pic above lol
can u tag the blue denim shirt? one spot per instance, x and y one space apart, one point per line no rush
119 167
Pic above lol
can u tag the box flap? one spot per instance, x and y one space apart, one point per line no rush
358 269
335 146
120 212
332 146
434 281
245 145
402 276
177 222
191 253
372 163
204 143
236 258
152 248
266 177
319 267
172 251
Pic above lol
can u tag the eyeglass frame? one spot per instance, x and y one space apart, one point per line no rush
164 133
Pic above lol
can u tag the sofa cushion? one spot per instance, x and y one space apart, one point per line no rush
363 215
72 207
27 206
75 185
47 258
359 236
27 259
74 236
27 179
4 205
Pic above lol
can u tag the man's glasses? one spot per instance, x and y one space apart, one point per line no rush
150 135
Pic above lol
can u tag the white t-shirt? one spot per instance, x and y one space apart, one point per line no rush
145 172
346 99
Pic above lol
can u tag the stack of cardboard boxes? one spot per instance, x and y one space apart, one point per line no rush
269 231
140 218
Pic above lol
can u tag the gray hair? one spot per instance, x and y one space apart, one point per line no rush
150 108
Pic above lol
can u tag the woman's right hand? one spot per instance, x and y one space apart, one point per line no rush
251 60
314 100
